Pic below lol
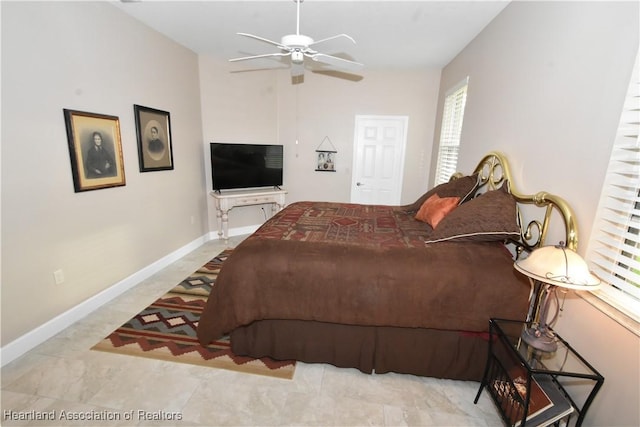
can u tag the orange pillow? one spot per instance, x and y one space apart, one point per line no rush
435 208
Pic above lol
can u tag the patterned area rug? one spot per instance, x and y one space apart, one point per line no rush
166 330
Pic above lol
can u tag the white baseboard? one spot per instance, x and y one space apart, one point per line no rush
37 336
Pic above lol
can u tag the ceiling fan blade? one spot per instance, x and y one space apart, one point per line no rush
280 45
297 70
251 70
338 62
266 55
334 37
344 75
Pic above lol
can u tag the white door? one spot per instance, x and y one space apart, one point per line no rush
378 159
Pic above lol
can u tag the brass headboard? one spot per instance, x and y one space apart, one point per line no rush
493 171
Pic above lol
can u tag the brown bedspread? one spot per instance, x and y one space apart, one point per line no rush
361 265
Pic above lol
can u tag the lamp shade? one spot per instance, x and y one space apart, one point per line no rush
559 266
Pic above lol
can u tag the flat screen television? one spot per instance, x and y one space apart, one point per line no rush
235 166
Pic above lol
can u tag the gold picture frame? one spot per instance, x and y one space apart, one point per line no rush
95 150
155 147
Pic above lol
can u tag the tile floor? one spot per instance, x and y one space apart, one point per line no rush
64 380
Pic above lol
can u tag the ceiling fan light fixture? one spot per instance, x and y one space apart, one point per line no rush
297 57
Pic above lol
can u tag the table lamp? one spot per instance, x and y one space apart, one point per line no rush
548 268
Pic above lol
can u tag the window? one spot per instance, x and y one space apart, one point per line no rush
614 248
450 131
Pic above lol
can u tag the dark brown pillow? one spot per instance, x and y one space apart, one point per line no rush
463 187
488 217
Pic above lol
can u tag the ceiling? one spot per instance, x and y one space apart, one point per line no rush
389 34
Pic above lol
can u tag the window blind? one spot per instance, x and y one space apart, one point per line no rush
614 248
451 129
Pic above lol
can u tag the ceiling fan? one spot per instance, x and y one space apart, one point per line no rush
298 47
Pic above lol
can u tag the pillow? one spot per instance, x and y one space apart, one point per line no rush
463 188
435 208
489 217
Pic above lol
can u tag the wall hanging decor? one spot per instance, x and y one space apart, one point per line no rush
326 157
155 151
95 149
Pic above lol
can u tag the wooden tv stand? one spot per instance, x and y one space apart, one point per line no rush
225 201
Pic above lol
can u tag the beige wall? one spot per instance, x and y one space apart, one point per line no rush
91 57
264 107
546 86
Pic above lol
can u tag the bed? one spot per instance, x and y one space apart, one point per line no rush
373 288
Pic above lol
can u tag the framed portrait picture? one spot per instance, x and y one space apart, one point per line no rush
95 149
155 150
326 161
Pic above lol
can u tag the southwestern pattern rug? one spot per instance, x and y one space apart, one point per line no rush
166 330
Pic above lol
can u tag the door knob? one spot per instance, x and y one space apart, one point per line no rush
359 184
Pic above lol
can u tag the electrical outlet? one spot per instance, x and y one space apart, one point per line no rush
58 276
